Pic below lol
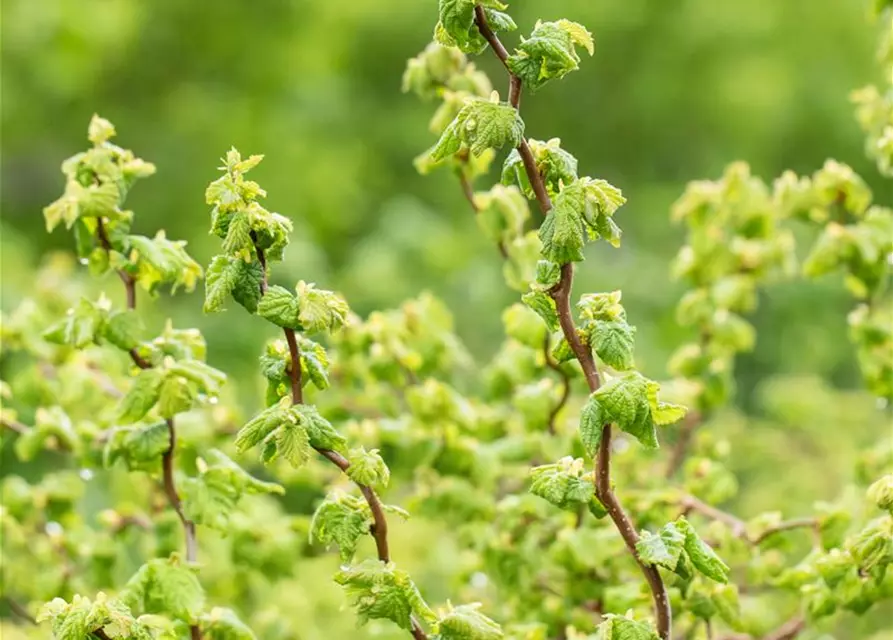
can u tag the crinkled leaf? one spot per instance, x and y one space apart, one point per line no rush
480 125
613 343
280 306
142 395
368 468
381 591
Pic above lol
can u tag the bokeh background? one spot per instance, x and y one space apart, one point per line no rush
676 90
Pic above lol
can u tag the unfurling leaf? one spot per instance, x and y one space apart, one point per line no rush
480 125
549 52
381 591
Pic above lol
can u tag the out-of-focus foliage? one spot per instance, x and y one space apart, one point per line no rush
765 367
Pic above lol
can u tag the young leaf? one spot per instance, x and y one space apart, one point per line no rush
466 622
175 395
480 125
80 327
624 402
613 343
341 519
702 556
140 447
280 307
381 591
556 166
142 395
549 52
368 468
456 26
623 628
211 497
223 624
320 431
165 586
592 425
82 618
320 310
544 305
566 485
663 548
124 329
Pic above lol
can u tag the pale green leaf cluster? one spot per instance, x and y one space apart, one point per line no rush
616 627
90 323
582 211
368 468
214 494
53 429
223 624
556 166
341 519
82 617
549 52
289 431
238 218
480 125
677 547
456 25
97 181
631 403
276 364
172 388
311 310
502 213
382 591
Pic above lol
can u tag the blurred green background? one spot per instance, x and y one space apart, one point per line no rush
677 89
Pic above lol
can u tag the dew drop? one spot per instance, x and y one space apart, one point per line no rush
213 400
84 261
53 528
620 445
86 475
882 403
479 580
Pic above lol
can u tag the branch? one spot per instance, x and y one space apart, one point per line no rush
561 294
738 526
167 459
19 610
786 631
565 384
14 425
379 528
689 424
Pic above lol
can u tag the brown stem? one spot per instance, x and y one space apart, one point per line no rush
738 526
787 631
680 450
19 610
167 459
565 384
379 528
561 294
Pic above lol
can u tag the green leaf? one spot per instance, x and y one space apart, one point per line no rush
246 290
81 326
624 402
623 628
124 329
480 125
161 261
456 26
466 622
566 484
320 431
82 618
165 586
556 166
592 424
237 242
258 428
523 324
211 497
381 591
314 363
291 442
142 395
663 413
320 310
501 213
223 624
368 468
549 52
702 555
175 395
140 447
220 279
280 307
51 425
544 305
341 519
582 209
613 343
663 548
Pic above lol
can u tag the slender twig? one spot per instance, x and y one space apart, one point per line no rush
738 526
19 610
788 630
167 459
561 294
379 528
680 451
565 384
